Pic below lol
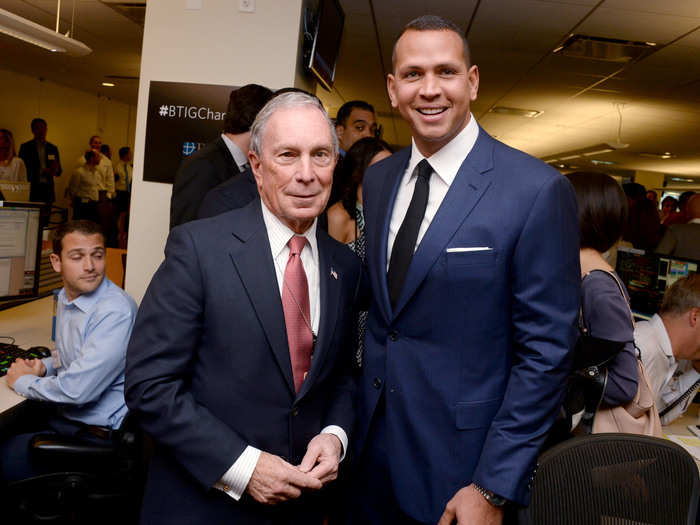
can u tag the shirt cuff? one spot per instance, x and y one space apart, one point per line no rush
341 435
235 479
22 383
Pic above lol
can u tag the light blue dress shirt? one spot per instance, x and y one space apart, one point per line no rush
92 333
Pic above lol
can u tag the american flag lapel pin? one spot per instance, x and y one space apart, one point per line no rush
334 274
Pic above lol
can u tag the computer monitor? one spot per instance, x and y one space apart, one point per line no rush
648 275
20 249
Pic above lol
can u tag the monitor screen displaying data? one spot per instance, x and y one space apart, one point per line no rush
648 275
20 249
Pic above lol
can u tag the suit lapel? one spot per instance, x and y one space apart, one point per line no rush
250 253
466 190
330 291
390 187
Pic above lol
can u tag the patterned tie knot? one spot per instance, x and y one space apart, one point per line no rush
296 244
425 170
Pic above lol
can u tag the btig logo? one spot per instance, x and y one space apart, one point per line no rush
188 148
190 112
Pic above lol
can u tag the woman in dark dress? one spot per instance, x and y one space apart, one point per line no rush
346 222
602 211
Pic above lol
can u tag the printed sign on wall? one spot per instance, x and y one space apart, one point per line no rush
182 118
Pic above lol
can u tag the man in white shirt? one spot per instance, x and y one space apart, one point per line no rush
670 348
683 240
241 358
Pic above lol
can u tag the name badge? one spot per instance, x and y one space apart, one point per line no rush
52 157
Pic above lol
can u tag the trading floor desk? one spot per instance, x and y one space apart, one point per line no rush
30 325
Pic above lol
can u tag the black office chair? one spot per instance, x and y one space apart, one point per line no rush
614 479
88 483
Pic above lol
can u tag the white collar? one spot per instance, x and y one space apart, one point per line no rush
660 328
236 152
448 159
279 233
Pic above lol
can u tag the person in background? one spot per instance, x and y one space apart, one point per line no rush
643 227
653 197
43 164
84 189
668 209
106 151
602 211
683 240
355 120
680 217
220 160
123 175
81 386
669 344
346 222
12 167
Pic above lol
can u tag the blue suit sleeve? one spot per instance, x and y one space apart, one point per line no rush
160 358
545 289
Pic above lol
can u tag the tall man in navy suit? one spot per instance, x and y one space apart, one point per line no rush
239 365
473 263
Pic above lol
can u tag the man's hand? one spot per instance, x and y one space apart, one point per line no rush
468 507
274 480
23 367
322 457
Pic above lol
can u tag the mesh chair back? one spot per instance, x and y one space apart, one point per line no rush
615 479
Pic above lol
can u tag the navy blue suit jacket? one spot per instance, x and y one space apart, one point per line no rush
208 367
230 195
40 192
473 359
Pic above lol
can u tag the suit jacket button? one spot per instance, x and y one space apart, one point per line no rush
295 411
377 383
394 336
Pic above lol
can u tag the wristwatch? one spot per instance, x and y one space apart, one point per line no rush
493 498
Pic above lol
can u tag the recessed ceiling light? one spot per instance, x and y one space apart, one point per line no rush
665 155
518 112
108 84
602 162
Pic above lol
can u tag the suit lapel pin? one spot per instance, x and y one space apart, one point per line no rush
334 274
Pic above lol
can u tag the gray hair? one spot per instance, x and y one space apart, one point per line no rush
682 296
291 99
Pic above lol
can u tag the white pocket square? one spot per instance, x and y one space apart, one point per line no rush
469 249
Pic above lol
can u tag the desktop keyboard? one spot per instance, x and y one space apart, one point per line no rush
8 353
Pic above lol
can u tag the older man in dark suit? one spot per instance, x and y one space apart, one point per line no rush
240 362
220 160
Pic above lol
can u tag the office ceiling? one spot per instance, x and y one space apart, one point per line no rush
512 42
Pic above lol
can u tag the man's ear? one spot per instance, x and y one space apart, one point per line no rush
255 163
694 317
55 262
340 130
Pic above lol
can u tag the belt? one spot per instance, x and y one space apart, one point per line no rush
100 432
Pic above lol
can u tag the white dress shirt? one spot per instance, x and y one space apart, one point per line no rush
105 172
670 378
238 155
445 163
236 478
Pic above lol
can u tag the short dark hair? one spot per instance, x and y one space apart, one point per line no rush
672 199
243 105
94 137
602 209
341 117
683 295
81 226
355 163
89 155
684 198
37 120
634 191
106 150
433 23
123 151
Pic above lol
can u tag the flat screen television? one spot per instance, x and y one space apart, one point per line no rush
326 42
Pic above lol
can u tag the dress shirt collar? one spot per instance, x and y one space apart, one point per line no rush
279 233
236 152
448 159
658 325
84 301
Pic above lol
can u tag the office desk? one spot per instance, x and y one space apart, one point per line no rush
30 325
679 426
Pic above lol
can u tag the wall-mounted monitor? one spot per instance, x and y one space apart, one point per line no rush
326 43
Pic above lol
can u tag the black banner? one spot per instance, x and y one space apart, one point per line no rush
182 117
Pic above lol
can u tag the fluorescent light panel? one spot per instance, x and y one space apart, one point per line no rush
32 33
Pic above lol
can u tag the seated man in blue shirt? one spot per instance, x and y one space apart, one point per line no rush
84 377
